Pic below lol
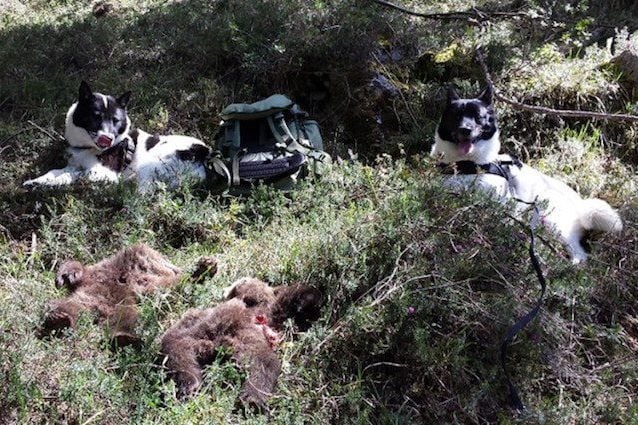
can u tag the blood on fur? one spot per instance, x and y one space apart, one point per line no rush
248 324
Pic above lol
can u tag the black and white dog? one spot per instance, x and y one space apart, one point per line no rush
467 145
102 147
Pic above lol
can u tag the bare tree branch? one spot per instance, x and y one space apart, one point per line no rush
474 13
545 110
54 135
567 112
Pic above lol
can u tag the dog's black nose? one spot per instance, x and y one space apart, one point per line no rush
464 131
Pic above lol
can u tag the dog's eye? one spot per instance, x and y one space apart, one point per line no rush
116 121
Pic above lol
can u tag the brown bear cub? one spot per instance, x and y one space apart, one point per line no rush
110 290
248 324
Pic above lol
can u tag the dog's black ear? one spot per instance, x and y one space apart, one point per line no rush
124 99
487 95
85 93
452 95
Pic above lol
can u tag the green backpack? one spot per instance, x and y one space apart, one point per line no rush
270 141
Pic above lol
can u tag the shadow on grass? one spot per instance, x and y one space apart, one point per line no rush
184 61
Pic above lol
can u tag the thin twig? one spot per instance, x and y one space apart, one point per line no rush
94 417
11 137
382 364
400 92
566 112
56 137
474 13
545 110
383 282
543 239
442 286
337 327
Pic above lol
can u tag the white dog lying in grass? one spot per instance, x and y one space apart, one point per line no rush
467 144
102 147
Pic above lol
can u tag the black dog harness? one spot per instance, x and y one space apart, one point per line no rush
499 168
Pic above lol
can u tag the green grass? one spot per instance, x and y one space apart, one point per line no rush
420 284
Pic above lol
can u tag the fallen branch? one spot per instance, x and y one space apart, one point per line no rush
566 112
55 136
569 113
482 15
474 13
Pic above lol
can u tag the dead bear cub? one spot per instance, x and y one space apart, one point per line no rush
247 323
111 287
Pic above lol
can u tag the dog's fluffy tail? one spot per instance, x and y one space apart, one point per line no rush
597 214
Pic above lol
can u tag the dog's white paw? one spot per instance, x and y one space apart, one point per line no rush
103 176
578 261
53 178
32 183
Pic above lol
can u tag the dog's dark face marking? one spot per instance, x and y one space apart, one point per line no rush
465 121
103 117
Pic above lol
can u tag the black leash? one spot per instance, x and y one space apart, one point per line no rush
501 168
515 399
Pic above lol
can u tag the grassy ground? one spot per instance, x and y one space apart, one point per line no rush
421 284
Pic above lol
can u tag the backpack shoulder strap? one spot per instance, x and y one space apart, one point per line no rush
216 166
284 137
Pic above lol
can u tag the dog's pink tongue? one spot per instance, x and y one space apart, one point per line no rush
465 147
104 141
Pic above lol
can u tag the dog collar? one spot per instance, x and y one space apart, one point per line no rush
499 168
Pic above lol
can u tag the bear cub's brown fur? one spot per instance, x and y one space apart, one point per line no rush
110 290
247 324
